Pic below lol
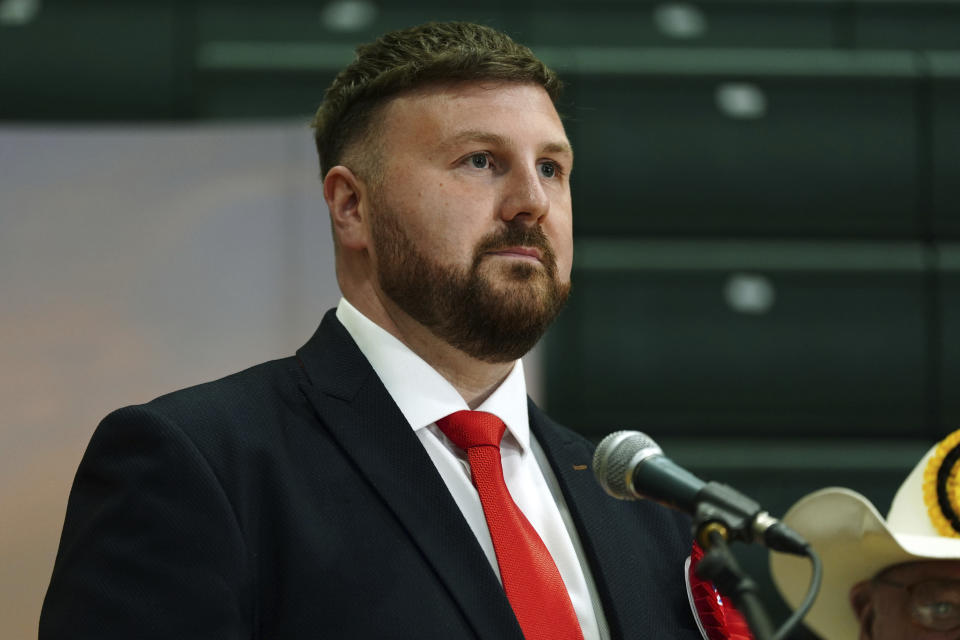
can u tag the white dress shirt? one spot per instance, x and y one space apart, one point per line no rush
424 396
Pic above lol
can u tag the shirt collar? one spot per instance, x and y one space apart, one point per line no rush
422 394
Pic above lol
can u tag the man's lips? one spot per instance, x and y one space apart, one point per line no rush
527 253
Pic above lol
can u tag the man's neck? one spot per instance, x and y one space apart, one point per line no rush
473 379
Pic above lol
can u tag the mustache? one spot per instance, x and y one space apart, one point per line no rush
516 235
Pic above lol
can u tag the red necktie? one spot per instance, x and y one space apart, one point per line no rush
530 578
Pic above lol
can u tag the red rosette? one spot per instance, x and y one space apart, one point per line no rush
720 619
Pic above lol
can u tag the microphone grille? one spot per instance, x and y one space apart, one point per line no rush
611 460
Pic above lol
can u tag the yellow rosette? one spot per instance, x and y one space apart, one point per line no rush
940 484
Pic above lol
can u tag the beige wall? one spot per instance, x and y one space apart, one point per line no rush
135 261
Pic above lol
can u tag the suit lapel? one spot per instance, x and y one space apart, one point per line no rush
601 528
356 410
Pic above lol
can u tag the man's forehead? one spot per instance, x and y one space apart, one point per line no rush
470 111
910 572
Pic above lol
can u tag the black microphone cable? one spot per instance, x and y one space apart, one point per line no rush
812 590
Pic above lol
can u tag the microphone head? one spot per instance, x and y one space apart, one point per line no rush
615 460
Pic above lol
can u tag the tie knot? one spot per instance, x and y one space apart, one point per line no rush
473 429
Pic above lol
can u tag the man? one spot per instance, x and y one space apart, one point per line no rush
345 492
883 580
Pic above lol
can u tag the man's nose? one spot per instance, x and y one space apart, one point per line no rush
525 198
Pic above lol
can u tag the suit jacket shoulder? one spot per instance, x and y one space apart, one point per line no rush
290 500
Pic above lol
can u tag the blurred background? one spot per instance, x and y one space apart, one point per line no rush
767 208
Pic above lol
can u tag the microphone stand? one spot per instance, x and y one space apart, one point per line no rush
721 568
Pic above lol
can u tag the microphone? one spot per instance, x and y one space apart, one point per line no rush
629 465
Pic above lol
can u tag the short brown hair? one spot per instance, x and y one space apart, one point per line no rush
402 60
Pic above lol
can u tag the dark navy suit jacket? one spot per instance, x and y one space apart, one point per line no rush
292 500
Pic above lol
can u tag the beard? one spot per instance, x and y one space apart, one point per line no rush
490 311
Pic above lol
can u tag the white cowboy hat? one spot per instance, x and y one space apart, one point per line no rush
855 543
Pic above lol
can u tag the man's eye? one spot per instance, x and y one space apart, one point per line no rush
942 609
548 169
935 604
938 616
480 160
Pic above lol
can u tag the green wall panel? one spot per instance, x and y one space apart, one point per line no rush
690 24
945 142
764 149
755 339
91 60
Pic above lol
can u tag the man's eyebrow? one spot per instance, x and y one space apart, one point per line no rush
476 135
558 147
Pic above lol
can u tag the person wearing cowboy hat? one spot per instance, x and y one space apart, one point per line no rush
883 579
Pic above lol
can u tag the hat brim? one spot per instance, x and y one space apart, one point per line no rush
854 543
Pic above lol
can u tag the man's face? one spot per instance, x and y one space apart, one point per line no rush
471 222
913 601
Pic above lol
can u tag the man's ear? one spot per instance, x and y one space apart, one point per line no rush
861 599
346 197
